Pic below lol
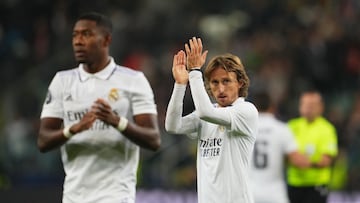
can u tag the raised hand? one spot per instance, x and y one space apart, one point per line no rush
179 71
194 55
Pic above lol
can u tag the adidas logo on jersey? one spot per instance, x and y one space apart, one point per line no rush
68 98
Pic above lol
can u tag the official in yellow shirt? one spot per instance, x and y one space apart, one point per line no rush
316 138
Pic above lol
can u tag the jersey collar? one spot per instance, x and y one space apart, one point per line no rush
238 100
104 74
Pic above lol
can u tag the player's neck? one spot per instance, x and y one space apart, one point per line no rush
96 66
311 119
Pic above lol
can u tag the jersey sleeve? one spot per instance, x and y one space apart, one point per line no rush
206 110
244 118
53 106
329 142
174 122
143 98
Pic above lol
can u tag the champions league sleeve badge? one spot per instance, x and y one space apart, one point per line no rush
113 95
48 97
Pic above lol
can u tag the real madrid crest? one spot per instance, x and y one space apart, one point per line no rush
113 95
221 128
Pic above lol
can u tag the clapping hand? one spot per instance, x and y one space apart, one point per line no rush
194 55
179 71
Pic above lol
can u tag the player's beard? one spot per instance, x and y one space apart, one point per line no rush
80 58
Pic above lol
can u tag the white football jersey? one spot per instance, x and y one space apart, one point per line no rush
273 142
226 138
223 157
100 163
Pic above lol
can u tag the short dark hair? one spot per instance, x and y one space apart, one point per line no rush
100 19
262 101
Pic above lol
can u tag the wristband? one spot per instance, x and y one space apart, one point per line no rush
67 133
122 124
196 69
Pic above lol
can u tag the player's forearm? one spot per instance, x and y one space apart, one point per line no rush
175 109
146 137
50 134
53 135
299 160
203 105
50 139
201 99
143 131
325 161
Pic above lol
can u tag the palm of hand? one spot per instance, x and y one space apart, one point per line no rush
180 73
195 55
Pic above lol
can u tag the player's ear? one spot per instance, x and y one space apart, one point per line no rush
240 84
108 39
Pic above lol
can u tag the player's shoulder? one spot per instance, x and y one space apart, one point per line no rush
280 122
245 103
324 121
67 72
324 124
244 107
283 126
126 71
274 122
